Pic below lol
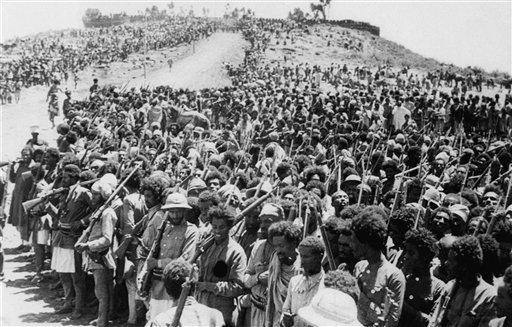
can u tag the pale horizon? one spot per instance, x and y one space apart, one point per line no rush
461 33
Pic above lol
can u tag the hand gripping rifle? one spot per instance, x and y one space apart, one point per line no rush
185 290
97 214
144 277
28 205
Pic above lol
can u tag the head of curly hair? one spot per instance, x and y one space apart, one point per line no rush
350 212
291 232
174 275
156 184
424 241
370 228
402 220
314 243
342 281
468 253
315 170
225 214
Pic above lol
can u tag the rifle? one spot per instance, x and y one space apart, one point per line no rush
157 153
28 205
97 214
253 205
185 290
445 300
144 277
395 204
9 163
137 231
323 232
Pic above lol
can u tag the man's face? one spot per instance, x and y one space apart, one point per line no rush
438 166
358 248
150 199
26 156
220 230
214 184
183 174
460 173
441 222
285 251
454 268
340 200
491 199
504 255
396 235
475 224
390 172
175 144
311 262
458 225
96 198
67 180
289 197
344 248
51 160
265 222
252 222
204 205
176 215
412 258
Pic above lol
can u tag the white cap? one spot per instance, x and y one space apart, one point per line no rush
330 307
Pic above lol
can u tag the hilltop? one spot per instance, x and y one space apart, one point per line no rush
323 44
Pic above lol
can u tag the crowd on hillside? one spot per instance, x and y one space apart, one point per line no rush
60 56
274 203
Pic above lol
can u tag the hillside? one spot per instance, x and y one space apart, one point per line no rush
324 44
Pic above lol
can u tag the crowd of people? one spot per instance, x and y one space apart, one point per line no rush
274 203
62 55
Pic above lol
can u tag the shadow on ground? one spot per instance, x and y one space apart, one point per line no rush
52 299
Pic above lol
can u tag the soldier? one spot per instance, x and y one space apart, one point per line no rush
221 267
256 276
69 220
179 239
100 259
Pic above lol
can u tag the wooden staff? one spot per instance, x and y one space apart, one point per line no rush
307 214
291 148
417 218
338 181
230 196
509 189
493 219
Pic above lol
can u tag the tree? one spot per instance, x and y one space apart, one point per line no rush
171 8
92 13
297 15
227 8
320 8
191 12
155 12
236 13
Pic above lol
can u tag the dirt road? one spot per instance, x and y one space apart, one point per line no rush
24 303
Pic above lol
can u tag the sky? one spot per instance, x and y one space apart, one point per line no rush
465 33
